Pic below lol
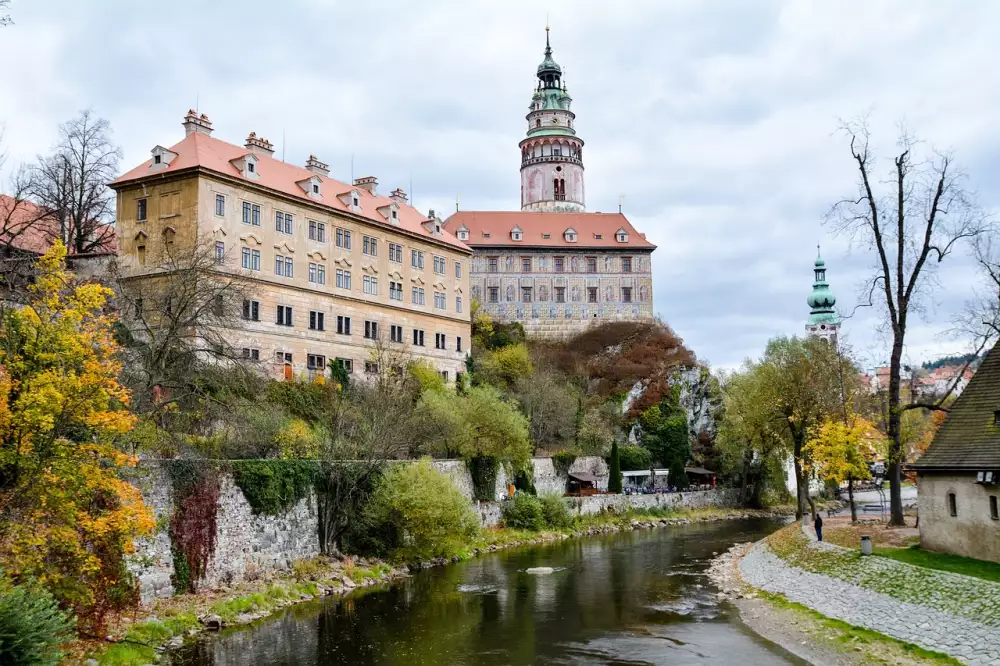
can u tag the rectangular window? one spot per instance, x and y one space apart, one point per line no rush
370 246
320 274
994 510
591 294
371 368
626 294
251 310
396 253
417 296
525 294
343 325
344 239
440 301
347 364
458 269
315 362
246 212
279 265
439 341
418 337
220 204
317 321
283 357
284 315
444 375
255 216
591 264
952 505
626 264
458 304
288 267
491 264
525 264
370 285
220 252
417 259
343 279
371 330
245 260
439 265
279 221
458 344
251 354
560 294
396 291
312 229
395 333
317 232
558 264
312 272
255 260
493 294
140 210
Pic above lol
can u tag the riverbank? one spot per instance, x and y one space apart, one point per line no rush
168 623
935 616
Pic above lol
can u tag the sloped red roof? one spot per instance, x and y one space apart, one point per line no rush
539 229
201 150
28 227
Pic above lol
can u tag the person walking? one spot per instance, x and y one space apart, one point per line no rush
818 524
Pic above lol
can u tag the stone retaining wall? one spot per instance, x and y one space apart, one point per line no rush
722 497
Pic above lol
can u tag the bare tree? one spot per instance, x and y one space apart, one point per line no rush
981 319
910 229
5 18
180 315
20 219
72 183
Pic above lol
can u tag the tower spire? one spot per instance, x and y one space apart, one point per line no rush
823 321
548 47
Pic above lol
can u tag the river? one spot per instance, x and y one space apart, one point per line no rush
628 598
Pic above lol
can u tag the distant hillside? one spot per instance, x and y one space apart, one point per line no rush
951 360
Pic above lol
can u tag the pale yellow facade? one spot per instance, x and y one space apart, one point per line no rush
385 287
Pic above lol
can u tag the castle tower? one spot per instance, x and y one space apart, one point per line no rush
551 153
823 321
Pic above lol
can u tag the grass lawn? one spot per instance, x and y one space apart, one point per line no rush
943 562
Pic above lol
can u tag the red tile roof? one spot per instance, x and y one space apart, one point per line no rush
201 150
29 228
546 229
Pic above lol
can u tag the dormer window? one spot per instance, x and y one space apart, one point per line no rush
315 188
395 214
515 234
355 201
570 235
352 199
251 167
157 159
161 158
463 233
598 236
621 236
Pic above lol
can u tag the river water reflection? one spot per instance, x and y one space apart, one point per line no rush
629 598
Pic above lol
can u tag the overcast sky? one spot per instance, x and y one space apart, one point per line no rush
717 120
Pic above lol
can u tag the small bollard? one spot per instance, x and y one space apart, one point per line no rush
866 545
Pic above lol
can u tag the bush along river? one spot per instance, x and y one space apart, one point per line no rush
634 597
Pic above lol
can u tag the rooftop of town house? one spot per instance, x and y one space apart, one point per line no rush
547 229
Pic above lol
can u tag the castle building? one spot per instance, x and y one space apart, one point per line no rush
823 321
552 266
335 269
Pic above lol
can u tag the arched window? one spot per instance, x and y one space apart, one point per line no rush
538 122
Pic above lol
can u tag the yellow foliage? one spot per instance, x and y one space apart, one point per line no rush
427 377
505 366
66 518
297 440
838 451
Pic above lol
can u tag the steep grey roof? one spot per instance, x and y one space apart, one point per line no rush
970 438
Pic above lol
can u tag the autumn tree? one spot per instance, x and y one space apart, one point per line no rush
909 229
66 518
72 183
550 406
839 451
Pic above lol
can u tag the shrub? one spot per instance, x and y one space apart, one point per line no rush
524 512
563 460
32 627
273 487
633 457
428 511
555 511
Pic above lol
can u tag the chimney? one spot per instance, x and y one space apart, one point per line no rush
259 145
195 124
431 215
399 196
369 183
313 164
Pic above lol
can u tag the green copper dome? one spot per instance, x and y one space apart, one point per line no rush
821 299
548 66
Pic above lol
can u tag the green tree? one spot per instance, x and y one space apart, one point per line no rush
503 368
429 512
615 471
32 628
665 434
550 406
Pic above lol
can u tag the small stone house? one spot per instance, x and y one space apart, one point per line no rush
959 475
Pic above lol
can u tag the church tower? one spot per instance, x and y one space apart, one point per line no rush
551 153
823 321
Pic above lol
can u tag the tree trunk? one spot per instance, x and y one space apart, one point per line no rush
801 488
895 435
850 498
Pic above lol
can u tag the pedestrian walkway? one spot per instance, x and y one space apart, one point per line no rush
939 611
